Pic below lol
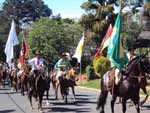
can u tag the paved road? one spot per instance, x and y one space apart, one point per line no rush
86 103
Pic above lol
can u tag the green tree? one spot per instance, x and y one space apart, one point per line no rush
24 12
99 14
54 37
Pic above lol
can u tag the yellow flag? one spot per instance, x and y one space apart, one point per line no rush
79 49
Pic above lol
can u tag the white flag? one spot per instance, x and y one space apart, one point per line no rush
79 49
11 42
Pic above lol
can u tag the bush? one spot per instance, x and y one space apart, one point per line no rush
90 72
101 65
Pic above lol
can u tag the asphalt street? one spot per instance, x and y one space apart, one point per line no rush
11 102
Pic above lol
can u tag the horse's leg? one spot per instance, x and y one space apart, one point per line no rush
136 103
22 87
113 102
47 93
30 97
65 94
145 92
40 101
73 91
124 105
56 90
62 92
102 100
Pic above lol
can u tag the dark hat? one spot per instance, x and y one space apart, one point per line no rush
74 62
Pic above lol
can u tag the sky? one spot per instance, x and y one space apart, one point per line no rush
66 8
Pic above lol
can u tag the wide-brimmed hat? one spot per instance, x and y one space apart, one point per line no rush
37 53
63 55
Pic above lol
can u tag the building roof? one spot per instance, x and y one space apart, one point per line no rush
143 41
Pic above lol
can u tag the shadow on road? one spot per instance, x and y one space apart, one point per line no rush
65 110
7 111
147 107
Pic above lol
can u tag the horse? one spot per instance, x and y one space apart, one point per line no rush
66 79
13 79
38 86
25 79
143 84
4 72
128 88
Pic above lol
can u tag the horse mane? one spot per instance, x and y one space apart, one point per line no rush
131 63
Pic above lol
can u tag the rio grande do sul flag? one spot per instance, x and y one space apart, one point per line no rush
79 49
105 42
23 52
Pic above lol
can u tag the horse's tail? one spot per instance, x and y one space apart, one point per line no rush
102 97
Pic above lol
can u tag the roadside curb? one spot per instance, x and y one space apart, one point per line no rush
98 90
92 89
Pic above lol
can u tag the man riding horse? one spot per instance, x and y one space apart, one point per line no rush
36 62
62 65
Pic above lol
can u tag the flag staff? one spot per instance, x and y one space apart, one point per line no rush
81 71
78 53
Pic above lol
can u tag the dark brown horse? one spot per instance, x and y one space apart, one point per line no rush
14 80
128 88
39 85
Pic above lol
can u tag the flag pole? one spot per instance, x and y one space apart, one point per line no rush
80 72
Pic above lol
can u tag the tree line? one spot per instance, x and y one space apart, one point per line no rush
53 35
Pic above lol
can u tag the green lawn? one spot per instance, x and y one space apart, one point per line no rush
96 85
91 84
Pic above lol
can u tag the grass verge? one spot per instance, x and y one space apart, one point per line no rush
96 85
91 84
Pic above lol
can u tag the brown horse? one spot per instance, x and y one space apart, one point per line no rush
67 79
14 80
128 88
25 79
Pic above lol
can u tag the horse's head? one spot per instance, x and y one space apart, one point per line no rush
145 64
73 72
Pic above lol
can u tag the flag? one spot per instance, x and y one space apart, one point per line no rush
115 50
79 49
21 59
23 52
105 42
11 42
25 46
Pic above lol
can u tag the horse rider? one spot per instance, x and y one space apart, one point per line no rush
37 62
118 68
128 57
62 65
13 65
131 54
50 66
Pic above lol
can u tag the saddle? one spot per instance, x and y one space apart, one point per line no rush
109 79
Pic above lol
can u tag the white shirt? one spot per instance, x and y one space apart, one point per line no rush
34 62
130 57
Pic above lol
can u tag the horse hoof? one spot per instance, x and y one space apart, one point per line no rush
32 108
40 110
47 103
56 98
74 100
